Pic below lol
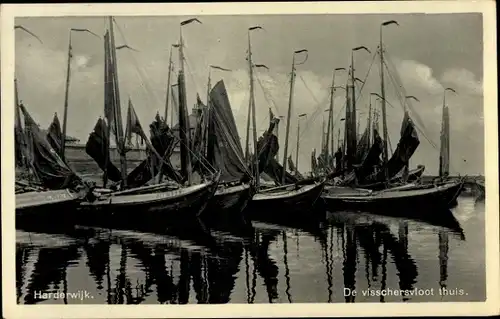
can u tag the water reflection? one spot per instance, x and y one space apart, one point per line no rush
209 262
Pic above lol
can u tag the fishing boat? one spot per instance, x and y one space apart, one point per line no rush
224 152
403 195
288 199
357 163
419 198
178 201
45 184
62 200
53 187
290 193
178 196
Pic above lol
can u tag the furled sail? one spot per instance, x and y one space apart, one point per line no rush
109 97
444 154
19 140
48 167
54 135
407 145
291 165
162 142
224 148
372 158
199 161
363 146
314 163
268 147
97 147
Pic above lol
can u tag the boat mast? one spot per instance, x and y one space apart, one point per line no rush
370 120
347 127
323 134
184 127
298 140
330 118
254 121
66 93
167 99
206 115
382 92
353 119
290 103
247 140
107 81
252 109
354 131
174 104
338 138
444 157
117 107
330 138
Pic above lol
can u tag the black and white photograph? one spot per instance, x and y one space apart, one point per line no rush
206 157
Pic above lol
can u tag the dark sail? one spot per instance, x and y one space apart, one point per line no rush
275 170
372 158
49 168
54 135
407 145
184 130
19 139
325 163
363 146
97 147
268 147
291 164
224 147
350 138
199 161
163 141
314 163
109 98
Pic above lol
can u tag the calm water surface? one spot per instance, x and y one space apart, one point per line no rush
259 262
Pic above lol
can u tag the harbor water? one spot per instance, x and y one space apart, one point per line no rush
344 257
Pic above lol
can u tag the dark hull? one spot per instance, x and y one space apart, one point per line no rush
61 213
150 208
286 203
57 206
419 200
229 201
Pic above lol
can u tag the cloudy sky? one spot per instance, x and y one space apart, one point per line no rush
427 52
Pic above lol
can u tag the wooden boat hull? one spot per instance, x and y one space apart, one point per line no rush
230 200
419 199
47 206
186 202
286 202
